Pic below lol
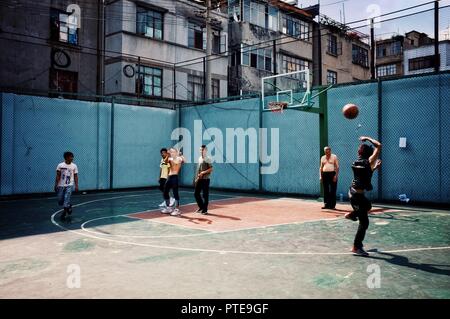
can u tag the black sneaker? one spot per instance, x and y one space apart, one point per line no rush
205 212
351 216
359 252
69 210
199 210
63 216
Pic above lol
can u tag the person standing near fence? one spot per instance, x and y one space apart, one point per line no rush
329 171
175 159
363 169
66 180
163 174
201 183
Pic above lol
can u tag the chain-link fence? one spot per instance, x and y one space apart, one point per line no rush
117 145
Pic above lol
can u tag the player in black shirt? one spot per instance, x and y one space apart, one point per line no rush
363 169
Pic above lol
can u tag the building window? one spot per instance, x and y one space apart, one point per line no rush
331 77
261 14
257 58
390 49
291 64
360 56
196 38
296 27
63 27
63 81
150 81
272 18
149 23
215 88
196 88
387 70
332 45
426 62
218 42
234 10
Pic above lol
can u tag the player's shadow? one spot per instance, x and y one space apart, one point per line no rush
200 220
392 217
404 262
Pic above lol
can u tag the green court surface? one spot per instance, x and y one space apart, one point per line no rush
250 246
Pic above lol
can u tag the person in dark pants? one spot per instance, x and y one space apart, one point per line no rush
201 183
363 169
176 160
163 174
329 171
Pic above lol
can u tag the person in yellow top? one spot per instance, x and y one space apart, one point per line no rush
163 175
329 171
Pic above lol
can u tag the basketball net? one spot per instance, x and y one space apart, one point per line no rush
277 107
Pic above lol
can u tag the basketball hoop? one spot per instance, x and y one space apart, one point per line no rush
277 107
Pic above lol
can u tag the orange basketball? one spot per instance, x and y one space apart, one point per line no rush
350 111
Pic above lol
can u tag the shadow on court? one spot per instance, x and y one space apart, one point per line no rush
403 261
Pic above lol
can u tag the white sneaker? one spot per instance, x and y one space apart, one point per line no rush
163 204
167 210
172 201
176 212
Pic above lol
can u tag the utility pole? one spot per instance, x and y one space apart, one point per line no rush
372 49
208 50
437 61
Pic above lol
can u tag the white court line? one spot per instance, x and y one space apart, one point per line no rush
221 251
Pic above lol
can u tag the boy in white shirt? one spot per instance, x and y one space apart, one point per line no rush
66 179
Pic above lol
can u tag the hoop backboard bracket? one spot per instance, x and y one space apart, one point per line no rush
294 88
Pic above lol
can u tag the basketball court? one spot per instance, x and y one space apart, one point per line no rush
249 246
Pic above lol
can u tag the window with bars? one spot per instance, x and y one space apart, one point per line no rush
360 56
331 77
63 81
63 27
387 70
196 88
149 23
332 45
257 58
291 64
426 62
150 81
296 27
389 49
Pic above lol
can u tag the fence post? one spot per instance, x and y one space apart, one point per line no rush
437 62
380 135
323 125
260 124
111 148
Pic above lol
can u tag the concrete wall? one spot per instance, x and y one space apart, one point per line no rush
248 79
346 70
26 60
164 53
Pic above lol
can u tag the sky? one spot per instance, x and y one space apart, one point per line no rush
362 9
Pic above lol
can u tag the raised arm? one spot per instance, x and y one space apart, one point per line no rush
372 159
